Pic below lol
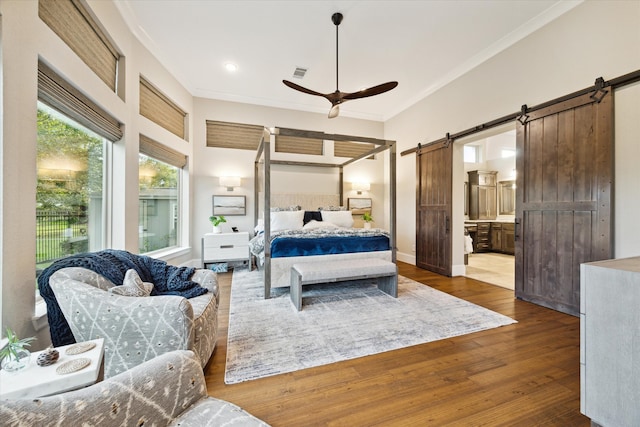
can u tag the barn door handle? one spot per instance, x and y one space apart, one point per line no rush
516 233
446 225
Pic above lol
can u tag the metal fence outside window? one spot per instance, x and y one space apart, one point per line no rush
59 234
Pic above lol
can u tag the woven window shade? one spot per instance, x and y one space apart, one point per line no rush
152 148
59 94
155 106
351 149
297 145
74 25
233 135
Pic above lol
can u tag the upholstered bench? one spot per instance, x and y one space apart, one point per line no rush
309 273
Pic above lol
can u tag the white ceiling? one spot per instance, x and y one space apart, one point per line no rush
421 44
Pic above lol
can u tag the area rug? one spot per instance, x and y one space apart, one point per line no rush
337 322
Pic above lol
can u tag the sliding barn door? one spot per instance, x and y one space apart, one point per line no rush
564 209
433 208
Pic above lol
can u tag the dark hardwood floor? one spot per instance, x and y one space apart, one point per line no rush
526 374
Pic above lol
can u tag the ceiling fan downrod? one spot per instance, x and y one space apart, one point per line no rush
336 18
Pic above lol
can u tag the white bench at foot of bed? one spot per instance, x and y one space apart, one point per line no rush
309 273
281 267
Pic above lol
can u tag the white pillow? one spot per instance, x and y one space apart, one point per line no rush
318 224
286 220
339 218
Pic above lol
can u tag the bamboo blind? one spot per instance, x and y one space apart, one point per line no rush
72 22
158 108
297 145
56 92
351 149
158 151
233 135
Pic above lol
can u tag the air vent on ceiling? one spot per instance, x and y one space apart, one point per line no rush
299 72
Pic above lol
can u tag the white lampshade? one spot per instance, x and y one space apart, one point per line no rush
230 182
360 186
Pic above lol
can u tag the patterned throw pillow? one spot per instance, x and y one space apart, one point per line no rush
332 208
219 267
132 286
286 208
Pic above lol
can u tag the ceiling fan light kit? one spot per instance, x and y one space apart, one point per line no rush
334 111
336 98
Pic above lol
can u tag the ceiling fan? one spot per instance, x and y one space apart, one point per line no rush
336 98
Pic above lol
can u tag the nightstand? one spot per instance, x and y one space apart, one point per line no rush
225 247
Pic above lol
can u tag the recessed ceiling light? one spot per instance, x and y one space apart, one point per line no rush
231 67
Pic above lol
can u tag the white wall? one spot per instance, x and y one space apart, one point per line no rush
211 163
627 176
594 39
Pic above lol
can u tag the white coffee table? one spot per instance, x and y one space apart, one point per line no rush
38 381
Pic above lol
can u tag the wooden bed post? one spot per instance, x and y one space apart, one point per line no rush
267 217
392 200
264 152
341 185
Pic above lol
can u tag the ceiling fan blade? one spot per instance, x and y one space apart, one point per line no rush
375 90
302 89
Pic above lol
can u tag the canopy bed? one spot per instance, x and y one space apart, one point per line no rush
296 227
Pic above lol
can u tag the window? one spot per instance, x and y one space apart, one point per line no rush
233 135
70 194
158 108
159 197
73 133
292 144
351 149
471 154
74 24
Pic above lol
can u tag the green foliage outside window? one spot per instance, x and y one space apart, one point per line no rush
69 165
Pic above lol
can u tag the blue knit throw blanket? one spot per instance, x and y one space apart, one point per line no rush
113 264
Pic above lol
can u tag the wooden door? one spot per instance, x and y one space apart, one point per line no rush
564 191
433 208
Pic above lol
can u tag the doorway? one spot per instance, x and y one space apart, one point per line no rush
490 221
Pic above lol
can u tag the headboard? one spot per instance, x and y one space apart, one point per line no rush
307 202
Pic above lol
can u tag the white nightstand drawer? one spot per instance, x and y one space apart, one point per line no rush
225 247
226 239
227 253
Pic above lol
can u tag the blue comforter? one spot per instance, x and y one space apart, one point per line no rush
321 241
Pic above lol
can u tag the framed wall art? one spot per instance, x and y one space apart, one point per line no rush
229 205
359 206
